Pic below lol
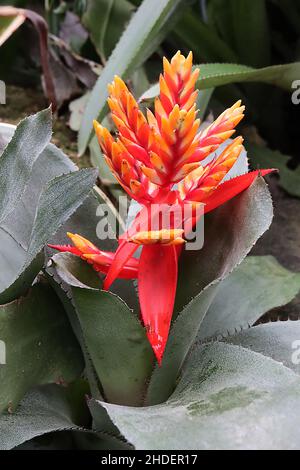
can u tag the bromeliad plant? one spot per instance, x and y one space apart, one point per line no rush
148 158
177 368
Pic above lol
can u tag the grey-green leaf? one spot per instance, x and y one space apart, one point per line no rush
30 139
278 340
58 201
75 271
51 409
228 398
44 410
117 344
15 230
40 346
259 284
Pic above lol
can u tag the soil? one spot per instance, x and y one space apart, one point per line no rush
282 240
21 102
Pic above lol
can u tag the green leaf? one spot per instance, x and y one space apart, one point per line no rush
203 40
230 232
105 20
40 346
117 344
250 31
228 398
259 284
75 271
213 75
30 139
146 29
262 157
219 17
279 340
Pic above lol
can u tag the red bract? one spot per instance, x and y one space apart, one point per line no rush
149 156
100 260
